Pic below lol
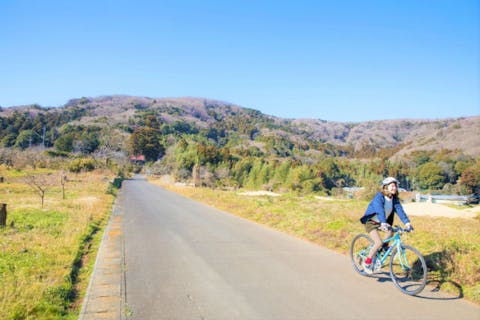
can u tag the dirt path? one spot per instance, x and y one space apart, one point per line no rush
412 208
439 210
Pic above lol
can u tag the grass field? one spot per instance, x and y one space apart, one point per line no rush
451 247
47 253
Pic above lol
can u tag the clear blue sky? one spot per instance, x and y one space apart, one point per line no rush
331 60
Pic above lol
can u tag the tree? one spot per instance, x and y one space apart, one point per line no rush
241 170
461 165
254 180
184 160
151 121
202 176
146 141
39 184
88 142
196 175
303 178
448 171
431 176
470 180
281 174
421 157
9 140
207 154
330 172
64 143
24 139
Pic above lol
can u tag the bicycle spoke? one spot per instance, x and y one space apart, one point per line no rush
359 250
408 270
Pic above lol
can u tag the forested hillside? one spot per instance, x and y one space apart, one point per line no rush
219 144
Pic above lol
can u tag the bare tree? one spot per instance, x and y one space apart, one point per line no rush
40 184
196 175
21 159
112 145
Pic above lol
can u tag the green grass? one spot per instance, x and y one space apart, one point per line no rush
451 246
46 254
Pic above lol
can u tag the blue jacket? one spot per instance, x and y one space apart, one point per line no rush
377 206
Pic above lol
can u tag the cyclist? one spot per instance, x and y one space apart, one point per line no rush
380 214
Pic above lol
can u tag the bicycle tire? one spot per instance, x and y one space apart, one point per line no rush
411 279
359 248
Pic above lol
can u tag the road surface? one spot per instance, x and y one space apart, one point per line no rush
185 260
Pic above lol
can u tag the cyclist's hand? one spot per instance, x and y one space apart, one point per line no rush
385 227
409 227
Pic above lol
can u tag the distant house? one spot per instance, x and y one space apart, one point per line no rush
138 159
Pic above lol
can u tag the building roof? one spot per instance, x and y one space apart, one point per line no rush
137 158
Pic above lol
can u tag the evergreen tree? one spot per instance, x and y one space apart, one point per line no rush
25 139
64 143
146 141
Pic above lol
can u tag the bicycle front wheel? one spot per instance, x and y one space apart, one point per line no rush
359 250
408 270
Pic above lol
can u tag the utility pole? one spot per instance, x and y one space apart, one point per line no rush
43 136
44 129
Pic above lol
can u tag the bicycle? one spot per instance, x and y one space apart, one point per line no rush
408 269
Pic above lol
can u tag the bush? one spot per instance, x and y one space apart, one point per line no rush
83 164
115 184
56 153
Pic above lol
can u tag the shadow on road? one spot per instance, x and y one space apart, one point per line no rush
432 289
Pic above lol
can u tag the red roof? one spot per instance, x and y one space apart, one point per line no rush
137 158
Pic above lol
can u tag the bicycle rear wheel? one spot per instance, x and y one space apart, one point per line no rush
359 250
408 270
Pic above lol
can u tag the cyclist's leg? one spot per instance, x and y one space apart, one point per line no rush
377 242
389 233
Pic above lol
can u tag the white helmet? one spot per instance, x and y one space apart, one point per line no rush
389 180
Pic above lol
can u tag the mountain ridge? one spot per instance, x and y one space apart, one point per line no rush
407 135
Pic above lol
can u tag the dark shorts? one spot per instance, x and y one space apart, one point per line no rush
372 225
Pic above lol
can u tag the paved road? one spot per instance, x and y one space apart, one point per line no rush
185 260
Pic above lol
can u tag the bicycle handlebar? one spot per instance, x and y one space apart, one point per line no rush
401 230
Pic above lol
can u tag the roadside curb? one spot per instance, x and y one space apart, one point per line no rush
105 297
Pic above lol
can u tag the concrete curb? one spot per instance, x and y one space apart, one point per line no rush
105 297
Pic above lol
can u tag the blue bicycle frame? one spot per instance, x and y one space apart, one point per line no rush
397 243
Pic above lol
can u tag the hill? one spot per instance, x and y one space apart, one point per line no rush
219 144
408 134
402 136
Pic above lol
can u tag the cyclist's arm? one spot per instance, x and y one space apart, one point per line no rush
379 207
401 213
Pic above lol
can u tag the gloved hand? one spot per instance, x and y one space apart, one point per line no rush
385 227
409 227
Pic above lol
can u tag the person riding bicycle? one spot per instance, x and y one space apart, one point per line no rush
380 214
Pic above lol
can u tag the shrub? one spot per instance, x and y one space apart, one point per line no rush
82 164
56 153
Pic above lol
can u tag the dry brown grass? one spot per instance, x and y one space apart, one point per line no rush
42 249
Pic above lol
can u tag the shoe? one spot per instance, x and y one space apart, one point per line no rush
367 268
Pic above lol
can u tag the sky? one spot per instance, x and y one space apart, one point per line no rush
324 59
